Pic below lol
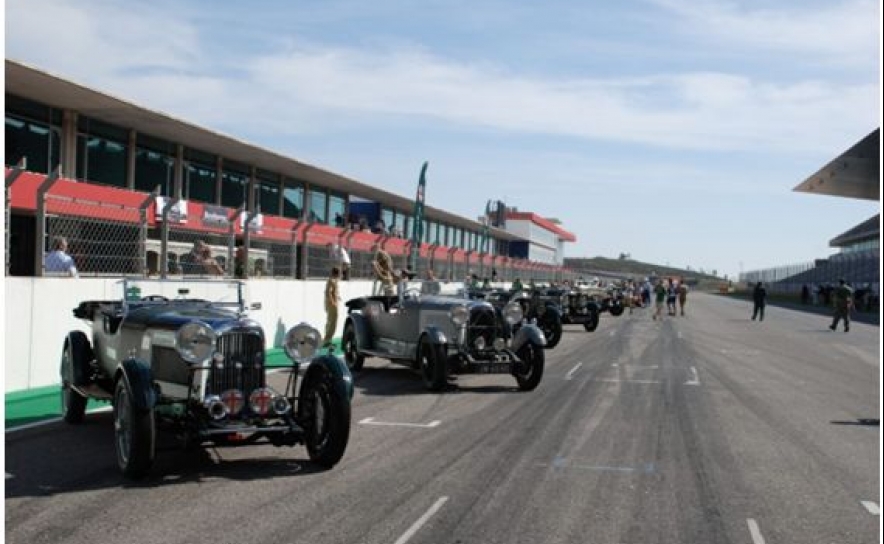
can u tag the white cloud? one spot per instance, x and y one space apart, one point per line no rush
153 57
843 31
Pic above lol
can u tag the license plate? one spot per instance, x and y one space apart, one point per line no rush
493 368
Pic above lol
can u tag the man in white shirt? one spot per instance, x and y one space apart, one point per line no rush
58 261
342 259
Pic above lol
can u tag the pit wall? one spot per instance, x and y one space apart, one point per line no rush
38 314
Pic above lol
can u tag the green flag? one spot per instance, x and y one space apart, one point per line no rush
417 231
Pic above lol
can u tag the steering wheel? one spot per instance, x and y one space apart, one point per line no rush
154 298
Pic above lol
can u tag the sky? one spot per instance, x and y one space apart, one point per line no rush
670 130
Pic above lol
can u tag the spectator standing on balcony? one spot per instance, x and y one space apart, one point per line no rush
383 271
199 261
759 298
58 260
843 302
332 298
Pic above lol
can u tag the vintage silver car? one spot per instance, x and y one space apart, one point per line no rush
197 368
443 334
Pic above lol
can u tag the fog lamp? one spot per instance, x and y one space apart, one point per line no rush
233 400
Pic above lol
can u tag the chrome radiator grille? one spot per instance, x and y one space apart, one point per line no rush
243 366
483 322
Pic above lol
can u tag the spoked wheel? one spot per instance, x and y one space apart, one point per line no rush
531 367
134 433
351 349
433 365
325 416
552 330
593 322
75 359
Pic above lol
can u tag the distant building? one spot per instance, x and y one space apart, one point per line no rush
542 240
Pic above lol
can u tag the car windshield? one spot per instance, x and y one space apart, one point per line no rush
218 293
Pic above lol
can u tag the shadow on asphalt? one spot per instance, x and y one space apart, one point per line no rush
81 458
397 382
859 422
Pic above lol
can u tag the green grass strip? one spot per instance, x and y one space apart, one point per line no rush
44 403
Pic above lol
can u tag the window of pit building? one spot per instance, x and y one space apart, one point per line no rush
200 176
234 184
268 192
337 210
318 202
154 165
33 131
292 198
102 151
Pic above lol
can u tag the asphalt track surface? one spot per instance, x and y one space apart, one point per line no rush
705 429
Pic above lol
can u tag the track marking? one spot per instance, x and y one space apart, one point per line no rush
613 333
695 378
679 335
421 521
570 374
624 381
755 532
371 421
872 508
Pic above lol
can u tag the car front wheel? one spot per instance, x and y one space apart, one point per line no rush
530 369
75 359
325 416
433 365
552 330
351 349
593 322
134 433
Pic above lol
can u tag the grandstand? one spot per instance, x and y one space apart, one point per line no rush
855 173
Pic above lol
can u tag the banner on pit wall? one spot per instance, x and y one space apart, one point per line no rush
178 212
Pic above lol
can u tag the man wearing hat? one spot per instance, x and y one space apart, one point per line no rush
843 303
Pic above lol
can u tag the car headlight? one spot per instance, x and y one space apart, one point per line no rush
301 342
512 313
459 315
195 342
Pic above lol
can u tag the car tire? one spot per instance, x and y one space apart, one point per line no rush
433 365
134 433
593 322
616 309
351 349
325 416
75 359
552 330
532 361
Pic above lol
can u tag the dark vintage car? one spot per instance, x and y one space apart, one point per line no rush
441 335
538 306
578 308
197 368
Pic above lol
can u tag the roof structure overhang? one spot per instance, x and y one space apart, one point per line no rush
856 173
40 86
543 223
867 230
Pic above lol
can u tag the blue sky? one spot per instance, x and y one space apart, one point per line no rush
672 130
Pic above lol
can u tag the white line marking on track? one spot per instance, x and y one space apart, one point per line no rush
613 333
679 335
371 421
755 532
570 374
872 508
421 521
624 381
695 378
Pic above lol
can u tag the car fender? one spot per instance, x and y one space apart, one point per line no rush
362 329
435 335
138 375
553 308
528 333
334 366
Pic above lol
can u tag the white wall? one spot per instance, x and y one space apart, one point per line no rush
38 315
